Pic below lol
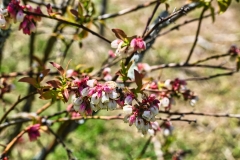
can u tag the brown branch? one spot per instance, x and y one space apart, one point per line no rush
179 65
43 108
69 152
125 11
12 142
14 105
150 18
197 34
70 23
210 77
212 57
162 20
202 114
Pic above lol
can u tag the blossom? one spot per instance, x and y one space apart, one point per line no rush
14 9
138 44
27 25
147 115
143 67
33 132
121 46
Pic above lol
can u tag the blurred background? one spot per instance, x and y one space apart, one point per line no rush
209 138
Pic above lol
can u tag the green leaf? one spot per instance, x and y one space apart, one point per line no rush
223 5
47 95
88 70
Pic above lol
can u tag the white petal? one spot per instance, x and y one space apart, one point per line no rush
165 102
113 95
127 109
95 99
147 115
85 92
92 82
105 97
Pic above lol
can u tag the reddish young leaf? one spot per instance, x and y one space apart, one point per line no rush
120 34
59 68
29 80
74 12
54 83
43 74
138 79
65 95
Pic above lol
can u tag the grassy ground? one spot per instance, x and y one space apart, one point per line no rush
209 138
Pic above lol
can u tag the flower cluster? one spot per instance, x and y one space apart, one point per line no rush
136 44
15 13
142 114
92 96
173 88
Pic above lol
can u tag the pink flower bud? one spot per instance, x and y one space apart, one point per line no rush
33 132
138 44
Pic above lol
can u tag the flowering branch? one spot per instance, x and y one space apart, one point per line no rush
69 23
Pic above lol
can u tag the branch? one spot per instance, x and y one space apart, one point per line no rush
197 34
202 114
125 11
14 105
69 152
210 77
183 24
150 18
178 65
70 23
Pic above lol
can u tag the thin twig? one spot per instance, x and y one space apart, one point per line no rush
13 141
69 152
202 114
70 23
125 11
212 57
180 11
144 148
183 24
151 17
43 108
179 65
14 105
210 77
197 34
